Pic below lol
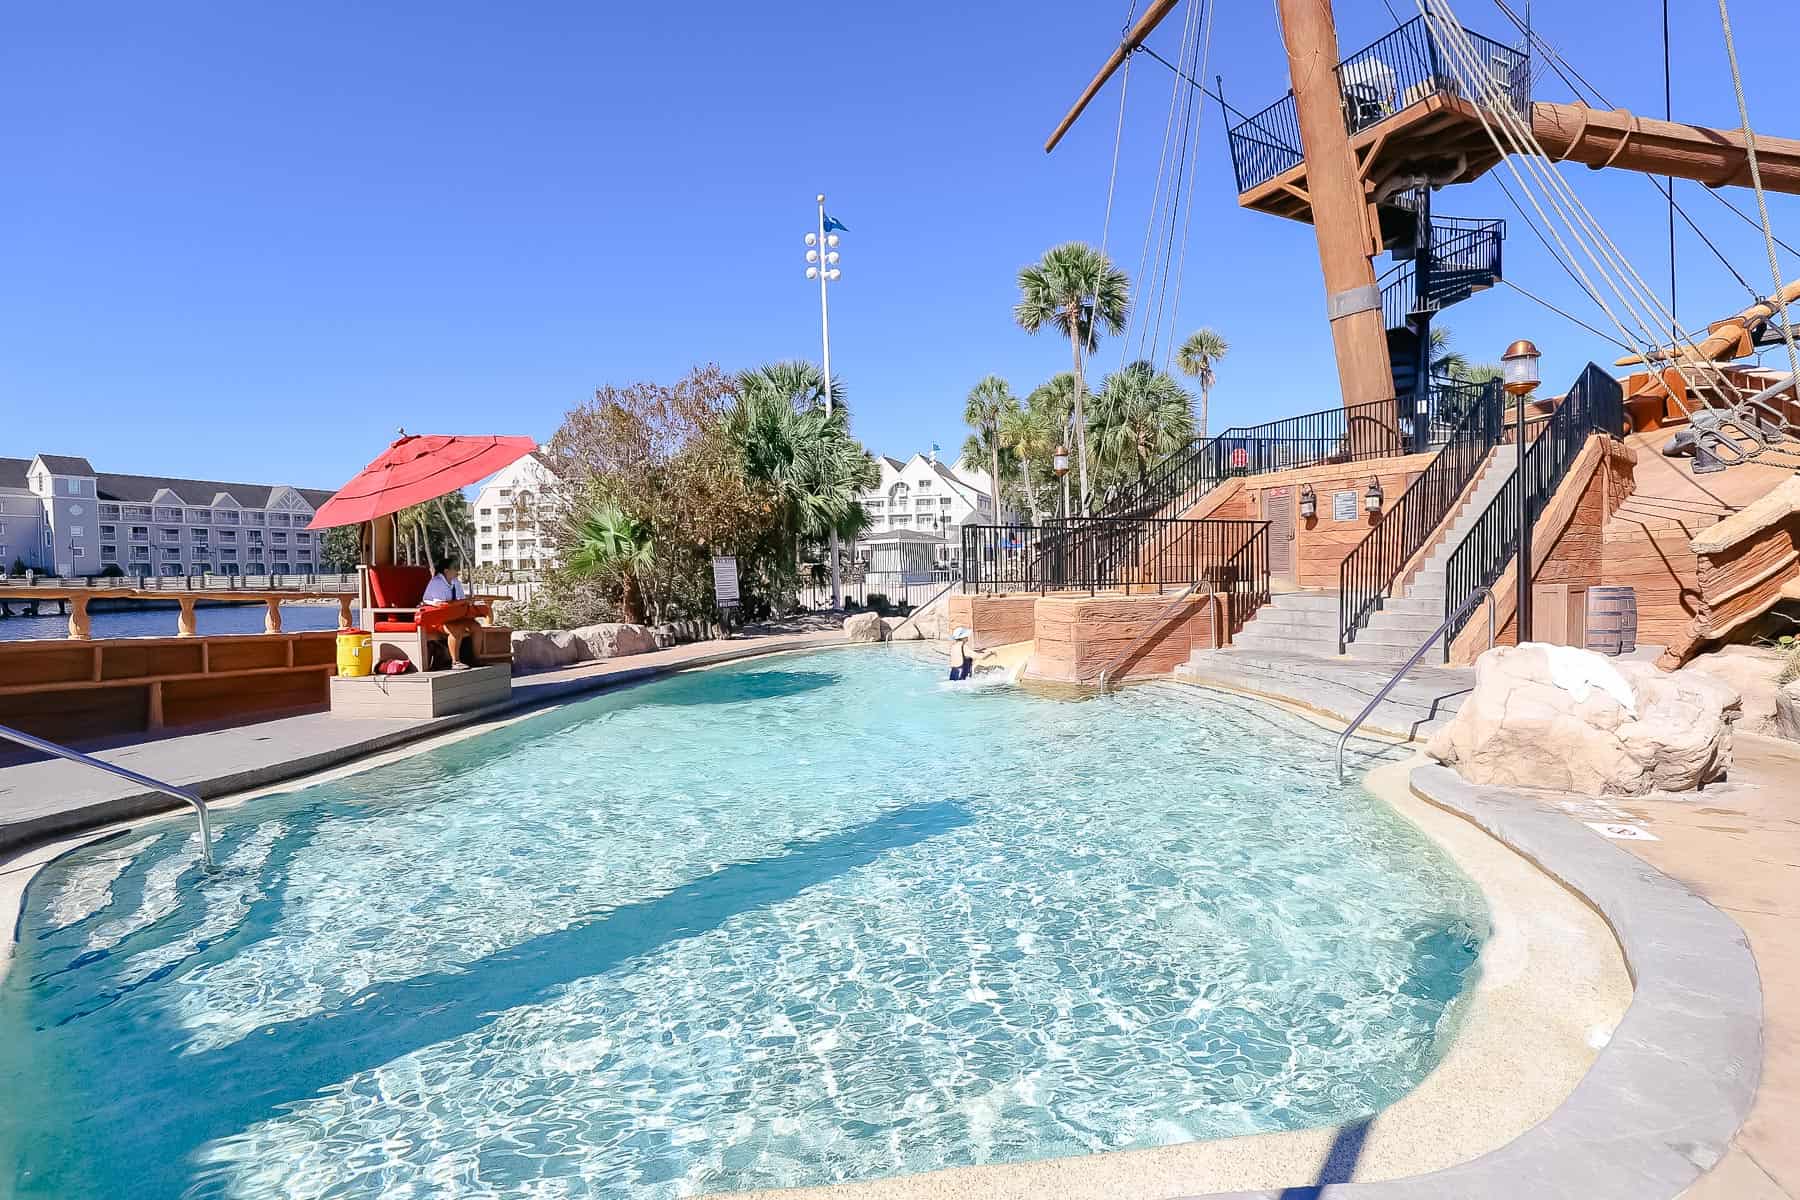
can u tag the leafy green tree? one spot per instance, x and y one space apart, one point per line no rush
341 547
985 411
1140 416
1075 289
1199 357
611 544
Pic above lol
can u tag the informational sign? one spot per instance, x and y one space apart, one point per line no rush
1343 505
725 580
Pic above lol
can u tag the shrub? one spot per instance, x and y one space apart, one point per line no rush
878 602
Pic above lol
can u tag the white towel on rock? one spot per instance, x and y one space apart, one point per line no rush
1578 672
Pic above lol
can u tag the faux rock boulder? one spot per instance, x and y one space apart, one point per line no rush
1787 711
544 650
864 627
1520 728
614 640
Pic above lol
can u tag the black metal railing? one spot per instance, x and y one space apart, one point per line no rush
1098 554
1367 574
1399 293
1331 435
1596 404
1381 79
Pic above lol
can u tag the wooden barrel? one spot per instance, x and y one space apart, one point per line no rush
1612 620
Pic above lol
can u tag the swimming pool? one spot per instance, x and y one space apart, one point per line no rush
811 918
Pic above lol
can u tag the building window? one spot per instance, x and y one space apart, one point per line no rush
105 530
506 493
228 535
77 531
77 551
171 555
253 518
140 533
109 510
171 535
278 538
199 516
109 554
200 536
72 486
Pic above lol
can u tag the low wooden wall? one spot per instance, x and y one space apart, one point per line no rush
83 690
1078 637
1747 563
995 620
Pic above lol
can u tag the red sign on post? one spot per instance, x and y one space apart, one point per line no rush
1240 457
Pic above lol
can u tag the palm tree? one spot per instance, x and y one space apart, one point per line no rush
1075 288
1030 432
815 471
1055 399
985 411
1197 357
1141 415
607 540
1445 359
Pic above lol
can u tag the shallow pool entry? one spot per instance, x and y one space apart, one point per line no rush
802 920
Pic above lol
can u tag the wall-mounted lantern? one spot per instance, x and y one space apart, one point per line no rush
1373 497
1060 461
1309 502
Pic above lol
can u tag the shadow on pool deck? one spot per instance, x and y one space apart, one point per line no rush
1340 1162
249 1080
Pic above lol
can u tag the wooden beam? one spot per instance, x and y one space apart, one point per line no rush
1618 138
1152 17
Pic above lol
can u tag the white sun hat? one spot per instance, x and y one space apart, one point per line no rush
959 633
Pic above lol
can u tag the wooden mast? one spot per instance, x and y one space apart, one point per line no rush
1340 211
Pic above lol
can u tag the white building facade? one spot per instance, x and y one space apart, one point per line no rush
515 517
59 516
923 495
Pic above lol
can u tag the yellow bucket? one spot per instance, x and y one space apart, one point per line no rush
356 653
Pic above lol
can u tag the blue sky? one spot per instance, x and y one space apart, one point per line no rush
249 241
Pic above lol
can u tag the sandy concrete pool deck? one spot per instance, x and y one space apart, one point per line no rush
1538 1093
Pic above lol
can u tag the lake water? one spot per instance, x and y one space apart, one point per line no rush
161 622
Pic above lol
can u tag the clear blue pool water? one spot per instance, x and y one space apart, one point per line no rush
812 918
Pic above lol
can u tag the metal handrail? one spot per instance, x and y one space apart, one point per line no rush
914 614
1409 664
168 789
1155 627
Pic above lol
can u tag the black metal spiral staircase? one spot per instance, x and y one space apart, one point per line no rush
1442 261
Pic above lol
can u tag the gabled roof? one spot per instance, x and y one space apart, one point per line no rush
66 464
893 462
13 472
955 479
141 489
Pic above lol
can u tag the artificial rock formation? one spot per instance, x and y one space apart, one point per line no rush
1520 728
547 649
613 640
865 627
1787 711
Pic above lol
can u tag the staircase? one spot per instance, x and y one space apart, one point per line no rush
1442 261
1307 622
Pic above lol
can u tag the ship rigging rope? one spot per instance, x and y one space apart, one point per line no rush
1188 221
1634 295
1567 316
1151 224
1170 215
1583 88
1119 132
1756 184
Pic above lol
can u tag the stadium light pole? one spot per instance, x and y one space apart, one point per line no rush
822 258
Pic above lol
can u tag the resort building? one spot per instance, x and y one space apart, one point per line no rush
515 516
59 516
924 497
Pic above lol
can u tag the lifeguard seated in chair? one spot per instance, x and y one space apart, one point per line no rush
432 612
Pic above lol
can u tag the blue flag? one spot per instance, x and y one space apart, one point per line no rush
832 223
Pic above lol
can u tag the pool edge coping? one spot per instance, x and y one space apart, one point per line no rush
1663 1100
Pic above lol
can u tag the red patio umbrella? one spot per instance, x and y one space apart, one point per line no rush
417 468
